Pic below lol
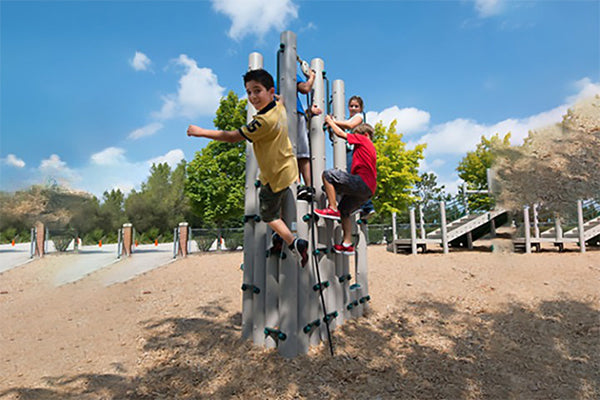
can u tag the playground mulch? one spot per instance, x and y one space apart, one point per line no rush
467 325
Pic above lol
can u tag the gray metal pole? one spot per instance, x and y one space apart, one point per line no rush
422 222
255 61
413 231
304 309
324 228
361 259
443 227
289 267
271 295
394 227
536 227
339 103
342 263
558 227
527 229
580 226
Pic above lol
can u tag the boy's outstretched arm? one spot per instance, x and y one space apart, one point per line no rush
336 129
222 136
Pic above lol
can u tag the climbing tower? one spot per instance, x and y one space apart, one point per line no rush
284 305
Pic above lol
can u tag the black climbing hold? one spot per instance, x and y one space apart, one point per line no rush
319 286
275 333
329 317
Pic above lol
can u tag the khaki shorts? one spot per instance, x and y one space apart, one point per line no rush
271 203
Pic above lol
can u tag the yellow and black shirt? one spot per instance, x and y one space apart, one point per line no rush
268 134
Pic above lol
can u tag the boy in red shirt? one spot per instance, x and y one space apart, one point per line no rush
356 187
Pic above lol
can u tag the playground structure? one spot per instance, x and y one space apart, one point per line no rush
584 231
284 305
465 225
464 228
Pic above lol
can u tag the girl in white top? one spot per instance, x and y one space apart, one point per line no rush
357 116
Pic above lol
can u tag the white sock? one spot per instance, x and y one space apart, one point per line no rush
346 244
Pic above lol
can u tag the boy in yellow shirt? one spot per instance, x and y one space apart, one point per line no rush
268 134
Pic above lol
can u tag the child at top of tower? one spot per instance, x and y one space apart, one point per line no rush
303 86
278 169
356 187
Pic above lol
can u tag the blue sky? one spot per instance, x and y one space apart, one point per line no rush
93 92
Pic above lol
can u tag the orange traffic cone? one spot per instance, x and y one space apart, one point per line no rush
156 242
13 242
136 243
100 243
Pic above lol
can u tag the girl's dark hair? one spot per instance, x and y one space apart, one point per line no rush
359 101
261 76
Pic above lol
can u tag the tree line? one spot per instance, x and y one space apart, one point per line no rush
208 192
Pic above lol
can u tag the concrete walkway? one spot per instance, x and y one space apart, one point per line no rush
13 256
86 261
144 258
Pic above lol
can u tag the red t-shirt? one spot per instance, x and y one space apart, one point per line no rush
364 159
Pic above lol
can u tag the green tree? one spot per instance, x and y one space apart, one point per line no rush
397 170
112 211
474 165
430 193
216 176
158 205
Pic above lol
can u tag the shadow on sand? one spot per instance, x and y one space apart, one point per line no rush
422 350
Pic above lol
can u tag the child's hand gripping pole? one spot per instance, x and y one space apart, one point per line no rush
304 66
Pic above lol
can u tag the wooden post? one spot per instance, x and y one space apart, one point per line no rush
40 239
183 239
127 239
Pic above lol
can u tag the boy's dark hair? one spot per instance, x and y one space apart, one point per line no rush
365 129
359 100
261 76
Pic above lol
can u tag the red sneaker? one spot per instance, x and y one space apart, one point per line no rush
347 250
328 213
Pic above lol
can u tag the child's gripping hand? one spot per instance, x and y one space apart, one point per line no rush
315 110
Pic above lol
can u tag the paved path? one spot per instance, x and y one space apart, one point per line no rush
11 257
144 258
87 260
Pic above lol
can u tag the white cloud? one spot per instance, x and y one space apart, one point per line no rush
461 135
409 120
144 131
109 156
13 161
256 16
199 92
140 62
116 171
172 158
488 8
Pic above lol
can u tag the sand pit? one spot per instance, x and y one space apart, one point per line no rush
467 325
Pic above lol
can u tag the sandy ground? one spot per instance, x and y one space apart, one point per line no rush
467 325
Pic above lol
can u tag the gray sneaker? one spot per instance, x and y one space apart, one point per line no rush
299 249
